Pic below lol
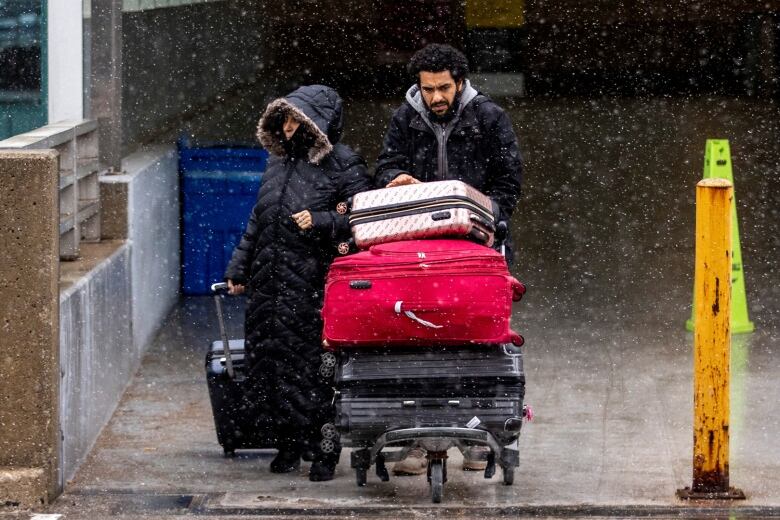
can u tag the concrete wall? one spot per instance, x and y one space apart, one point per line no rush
29 370
97 354
144 208
154 234
178 59
112 313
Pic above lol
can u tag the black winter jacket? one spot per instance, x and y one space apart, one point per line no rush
284 268
480 148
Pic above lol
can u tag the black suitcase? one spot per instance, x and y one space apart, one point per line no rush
379 391
475 370
237 427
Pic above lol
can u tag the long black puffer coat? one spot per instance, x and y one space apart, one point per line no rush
284 267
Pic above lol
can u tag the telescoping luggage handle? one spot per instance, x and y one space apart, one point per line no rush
219 289
502 231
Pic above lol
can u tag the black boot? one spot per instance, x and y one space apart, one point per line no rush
286 460
308 453
324 466
322 470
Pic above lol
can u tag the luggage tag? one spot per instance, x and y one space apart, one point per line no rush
473 423
528 412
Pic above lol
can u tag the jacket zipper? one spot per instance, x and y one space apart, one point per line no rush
441 136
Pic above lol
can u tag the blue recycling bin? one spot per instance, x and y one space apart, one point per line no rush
219 186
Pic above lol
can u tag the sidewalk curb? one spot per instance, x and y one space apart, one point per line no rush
207 504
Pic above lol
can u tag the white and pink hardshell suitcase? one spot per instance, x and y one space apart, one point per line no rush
425 210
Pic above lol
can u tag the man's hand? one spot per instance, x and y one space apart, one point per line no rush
402 180
234 289
303 219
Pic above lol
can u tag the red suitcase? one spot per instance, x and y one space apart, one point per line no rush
425 210
420 293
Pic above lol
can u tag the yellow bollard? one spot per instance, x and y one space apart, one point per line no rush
717 164
712 342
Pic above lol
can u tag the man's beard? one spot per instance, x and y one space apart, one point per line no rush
447 115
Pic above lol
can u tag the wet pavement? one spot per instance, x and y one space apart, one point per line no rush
612 434
605 246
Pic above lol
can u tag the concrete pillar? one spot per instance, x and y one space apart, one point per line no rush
29 327
106 79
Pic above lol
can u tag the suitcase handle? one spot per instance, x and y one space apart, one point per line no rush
518 290
219 290
511 350
483 222
412 316
502 230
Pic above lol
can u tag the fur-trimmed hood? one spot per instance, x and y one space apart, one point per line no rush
317 107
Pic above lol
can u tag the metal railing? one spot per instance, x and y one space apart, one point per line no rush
77 144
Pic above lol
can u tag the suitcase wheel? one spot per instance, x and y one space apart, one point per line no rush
328 365
326 371
328 359
327 446
229 453
329 431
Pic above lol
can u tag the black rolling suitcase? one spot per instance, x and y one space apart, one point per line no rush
472 386
237 427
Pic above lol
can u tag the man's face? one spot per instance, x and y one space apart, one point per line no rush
439 90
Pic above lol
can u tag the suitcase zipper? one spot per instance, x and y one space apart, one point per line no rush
421 271
499 266
363 216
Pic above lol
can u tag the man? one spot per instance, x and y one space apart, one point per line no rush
446 130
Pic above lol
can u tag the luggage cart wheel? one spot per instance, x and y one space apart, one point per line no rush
437 480
229 453
509 475
360 476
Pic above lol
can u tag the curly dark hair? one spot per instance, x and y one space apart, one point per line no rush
437 57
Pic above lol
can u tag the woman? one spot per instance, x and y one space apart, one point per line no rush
282 259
